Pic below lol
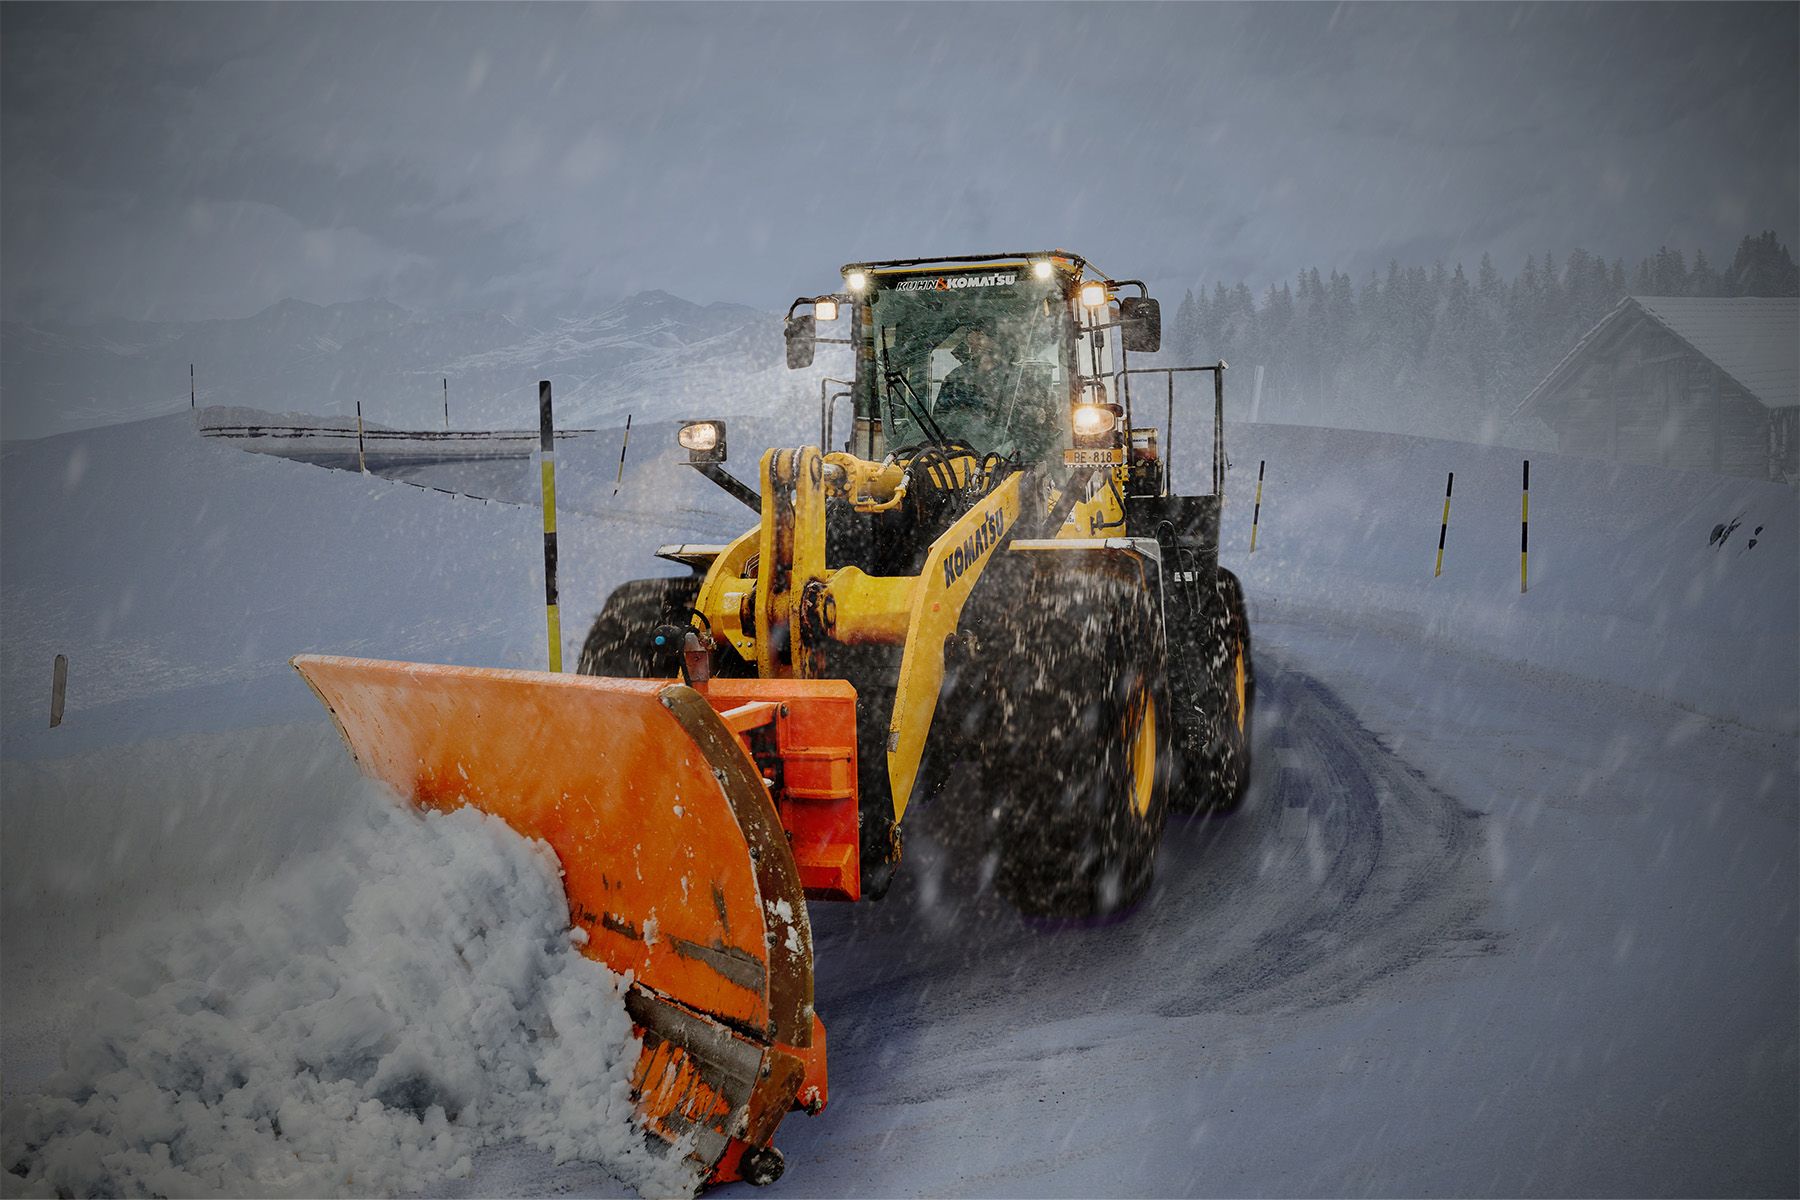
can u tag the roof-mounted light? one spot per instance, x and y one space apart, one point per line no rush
1042 268
856 281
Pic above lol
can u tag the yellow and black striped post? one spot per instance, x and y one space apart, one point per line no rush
1444 527
1255 513
1524 526
547 453
623 446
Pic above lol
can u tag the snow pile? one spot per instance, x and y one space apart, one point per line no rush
362 1024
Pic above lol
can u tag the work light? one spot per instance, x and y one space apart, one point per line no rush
1041 268
1094 420
703 440
856 281
825 310
1093 295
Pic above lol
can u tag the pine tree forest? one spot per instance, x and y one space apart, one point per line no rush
1435 351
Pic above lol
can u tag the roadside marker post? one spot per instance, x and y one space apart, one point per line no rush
623 446
547 475
446 404
1524 525
193 404
1444 527
1256 512
59 685
362 463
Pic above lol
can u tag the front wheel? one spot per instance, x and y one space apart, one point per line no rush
1079 780
619 644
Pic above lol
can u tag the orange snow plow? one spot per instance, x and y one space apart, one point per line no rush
654 798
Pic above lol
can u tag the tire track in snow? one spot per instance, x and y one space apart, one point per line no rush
1342 868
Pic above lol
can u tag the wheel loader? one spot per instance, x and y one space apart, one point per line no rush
990 590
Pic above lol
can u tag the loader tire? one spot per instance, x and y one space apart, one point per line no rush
1214 771
1079 777
618 644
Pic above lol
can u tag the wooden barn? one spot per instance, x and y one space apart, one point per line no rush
1698 383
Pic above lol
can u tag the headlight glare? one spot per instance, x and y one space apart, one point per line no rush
1094 420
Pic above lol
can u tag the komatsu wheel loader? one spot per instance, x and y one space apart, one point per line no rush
991 584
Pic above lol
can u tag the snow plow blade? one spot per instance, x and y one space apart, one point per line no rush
674 863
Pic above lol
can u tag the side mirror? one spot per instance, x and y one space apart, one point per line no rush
800 341
1142 321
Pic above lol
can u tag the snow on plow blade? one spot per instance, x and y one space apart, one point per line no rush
673 859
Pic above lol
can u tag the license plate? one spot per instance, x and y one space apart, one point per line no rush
1094 458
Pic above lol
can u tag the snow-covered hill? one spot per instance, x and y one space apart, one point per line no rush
651 353
1531 808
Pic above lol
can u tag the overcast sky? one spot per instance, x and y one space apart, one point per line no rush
184 161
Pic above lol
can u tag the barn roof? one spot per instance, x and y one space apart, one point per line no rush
1754 340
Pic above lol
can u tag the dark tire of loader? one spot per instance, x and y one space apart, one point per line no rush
1214 768
1078 768
619 644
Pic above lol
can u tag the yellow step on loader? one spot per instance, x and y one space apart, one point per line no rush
992 578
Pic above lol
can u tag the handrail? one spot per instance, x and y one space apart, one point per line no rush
1218 370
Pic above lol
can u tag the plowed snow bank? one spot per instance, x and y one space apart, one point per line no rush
359 1025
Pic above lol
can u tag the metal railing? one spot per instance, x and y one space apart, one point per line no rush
1218 370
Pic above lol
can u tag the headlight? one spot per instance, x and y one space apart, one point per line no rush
1041 269
1094 420
825 310
1093 295
856 281
703 440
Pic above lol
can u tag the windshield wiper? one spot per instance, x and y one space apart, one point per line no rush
917 408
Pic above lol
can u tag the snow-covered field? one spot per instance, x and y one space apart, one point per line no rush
1511 908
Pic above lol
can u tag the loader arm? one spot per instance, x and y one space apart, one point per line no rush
802 608
952 567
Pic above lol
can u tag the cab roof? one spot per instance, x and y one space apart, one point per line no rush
968 262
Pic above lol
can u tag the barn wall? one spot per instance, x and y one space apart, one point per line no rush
1645 396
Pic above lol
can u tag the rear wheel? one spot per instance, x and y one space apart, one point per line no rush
1078 772
619 643
1215 769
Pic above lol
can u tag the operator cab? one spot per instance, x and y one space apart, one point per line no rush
1001 355
977 357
